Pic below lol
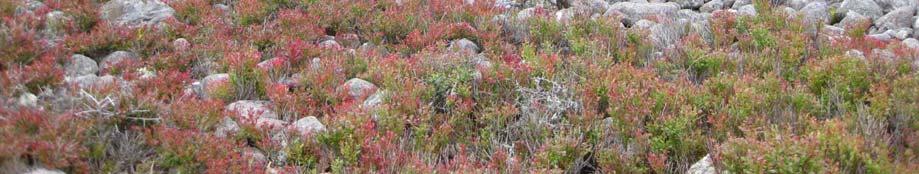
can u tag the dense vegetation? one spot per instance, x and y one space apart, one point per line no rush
459 86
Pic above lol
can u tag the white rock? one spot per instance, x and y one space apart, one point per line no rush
133 13
28 100
226 127
703 166
330 44
44 171
374 100
564 16
900 34
855 54
91 81
80 65
252 109
689 4
307 125
214 83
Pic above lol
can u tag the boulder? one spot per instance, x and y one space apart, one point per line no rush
252 110
590 6
44 171
911 43
632 12
272 64
853 19
564 16
374 100
330 44
896 19
740 3
689 4
864 7
117 58
711 6
891 5
134 13
747 10
80 65
226 127
91 81
703 166
464 46
213 84
900 34
815 13
181 45
358 89
307 125
27 100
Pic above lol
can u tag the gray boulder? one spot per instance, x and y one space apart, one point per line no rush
711 6
307 125
896 19
80 65
252 110
815 13
853 19
181 45
27 100
689 4
740 3
91 81
115 58
374 100
359 88
864 7
901 33
891 5
44 171
911 43
464 46
632 12
134 13
226 126
747 10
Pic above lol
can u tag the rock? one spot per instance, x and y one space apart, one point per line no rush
864 7
747 10
816 12
226 126
80 65
505 4
44 171
525 14
374 100
891 5
116 58
853 19
254 156
855 54
464 46
272 64
703 166
880 37
134 13
181 45
590 6
27 100
271 124
564 16
91 81
916 28
798 4
900 34
911 43
56 23
711 6
330 44
899 18
307 125
214 84
357 88
689 4
740 3
636 11
28 7
146 73
252 110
